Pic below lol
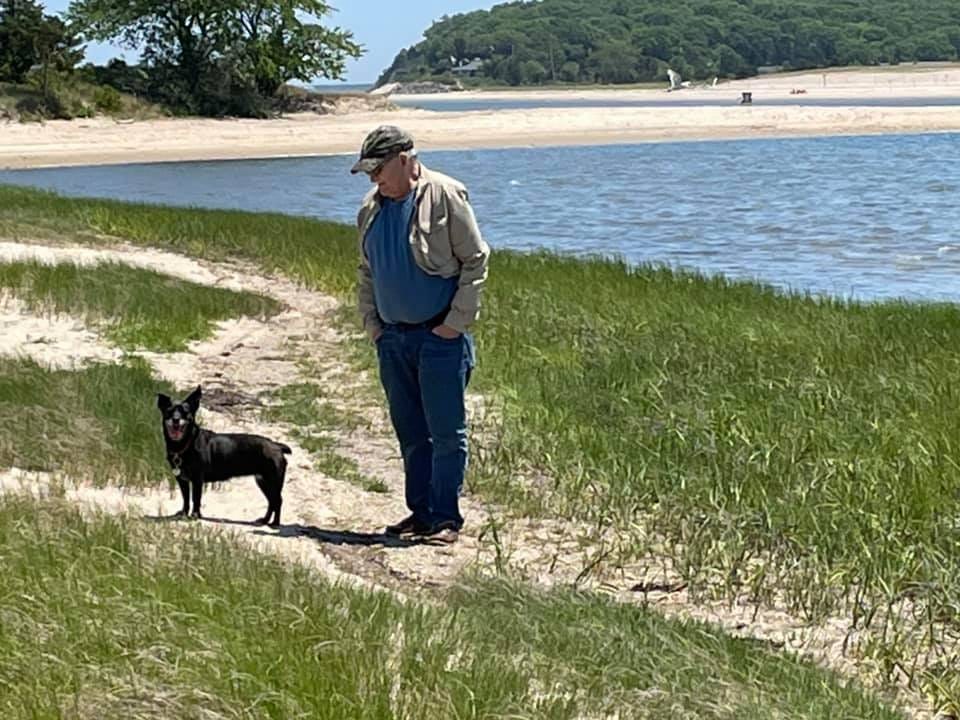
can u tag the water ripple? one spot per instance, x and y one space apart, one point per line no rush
865 217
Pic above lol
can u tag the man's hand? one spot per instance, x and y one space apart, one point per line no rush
376 336
446 332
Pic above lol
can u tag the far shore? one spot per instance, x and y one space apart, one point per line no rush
105 141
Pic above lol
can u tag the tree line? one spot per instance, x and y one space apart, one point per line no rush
628 41
227 57
30 39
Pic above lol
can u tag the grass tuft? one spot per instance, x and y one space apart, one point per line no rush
99 423
139 308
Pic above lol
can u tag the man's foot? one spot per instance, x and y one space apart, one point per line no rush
408 526
444 533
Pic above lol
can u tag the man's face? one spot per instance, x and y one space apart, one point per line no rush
394 178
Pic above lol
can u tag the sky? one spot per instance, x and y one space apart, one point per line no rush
383 27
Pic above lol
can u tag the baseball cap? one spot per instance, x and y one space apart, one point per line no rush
379 145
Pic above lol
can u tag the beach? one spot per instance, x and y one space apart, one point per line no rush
107 141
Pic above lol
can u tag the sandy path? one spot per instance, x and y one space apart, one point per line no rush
332 525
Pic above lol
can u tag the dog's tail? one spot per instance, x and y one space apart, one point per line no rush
285 449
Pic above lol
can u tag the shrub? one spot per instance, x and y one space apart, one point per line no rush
107 99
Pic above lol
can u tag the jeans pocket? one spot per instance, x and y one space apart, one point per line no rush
447 341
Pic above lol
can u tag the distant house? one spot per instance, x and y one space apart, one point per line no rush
469 69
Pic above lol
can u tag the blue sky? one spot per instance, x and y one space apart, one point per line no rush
384 27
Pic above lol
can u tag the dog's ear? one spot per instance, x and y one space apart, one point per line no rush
193 400
163 401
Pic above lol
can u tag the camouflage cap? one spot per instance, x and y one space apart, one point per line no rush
379 145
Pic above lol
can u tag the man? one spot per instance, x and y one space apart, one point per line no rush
422 267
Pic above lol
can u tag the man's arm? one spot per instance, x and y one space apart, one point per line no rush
366 301
474 254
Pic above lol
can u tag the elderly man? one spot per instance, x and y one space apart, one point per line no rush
422 267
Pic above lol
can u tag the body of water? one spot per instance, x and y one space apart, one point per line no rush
453 103
336 88
856 217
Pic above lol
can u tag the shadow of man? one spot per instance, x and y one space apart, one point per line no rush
322 535
347 537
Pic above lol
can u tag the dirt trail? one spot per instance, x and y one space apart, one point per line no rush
330 524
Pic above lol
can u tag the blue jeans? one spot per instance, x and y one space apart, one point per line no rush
425 377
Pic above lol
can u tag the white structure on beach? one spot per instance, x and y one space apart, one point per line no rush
676 82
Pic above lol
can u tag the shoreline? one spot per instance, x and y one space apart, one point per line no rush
104 141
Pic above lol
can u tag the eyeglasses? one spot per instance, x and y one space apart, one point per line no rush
376 171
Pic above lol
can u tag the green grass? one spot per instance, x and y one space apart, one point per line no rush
73 98
315 420
322 254
100 423
104 617
777 446
139 308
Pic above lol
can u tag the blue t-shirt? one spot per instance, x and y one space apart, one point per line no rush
404 293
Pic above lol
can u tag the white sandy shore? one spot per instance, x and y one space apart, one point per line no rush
102 141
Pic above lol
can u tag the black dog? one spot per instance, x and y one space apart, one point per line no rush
198 456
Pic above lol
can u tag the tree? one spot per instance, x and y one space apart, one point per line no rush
28 38
57 50
279 46
614 63
20 22
570 71
729 62
191 43
183 36
532 72
935 45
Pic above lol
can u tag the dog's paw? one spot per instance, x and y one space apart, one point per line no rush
260 521
195 515
179 514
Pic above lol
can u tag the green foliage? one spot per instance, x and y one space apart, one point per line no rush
30 39
19 23
107 99
76 95
225 57
624 41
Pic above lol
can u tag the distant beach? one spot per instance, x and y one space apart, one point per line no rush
104 140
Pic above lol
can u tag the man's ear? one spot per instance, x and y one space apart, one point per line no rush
163 401
193 400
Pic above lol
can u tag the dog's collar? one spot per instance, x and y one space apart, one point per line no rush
175 457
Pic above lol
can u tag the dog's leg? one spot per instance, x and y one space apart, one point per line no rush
265 489
197 487
278 498
185 493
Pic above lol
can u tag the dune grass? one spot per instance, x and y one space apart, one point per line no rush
137 308
100 423
777 446
73 98
321 253
314 419
105 617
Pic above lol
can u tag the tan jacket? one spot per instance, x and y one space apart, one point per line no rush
445 241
